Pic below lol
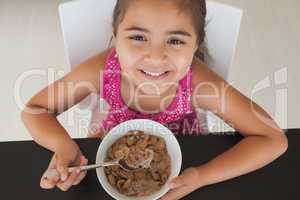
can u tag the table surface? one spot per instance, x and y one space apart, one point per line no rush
22 164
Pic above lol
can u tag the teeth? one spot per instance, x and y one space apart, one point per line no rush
153 73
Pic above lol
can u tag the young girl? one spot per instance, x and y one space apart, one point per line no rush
154 71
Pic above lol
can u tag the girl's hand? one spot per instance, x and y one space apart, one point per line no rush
187 182
61 161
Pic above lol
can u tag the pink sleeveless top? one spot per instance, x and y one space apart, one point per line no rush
179 116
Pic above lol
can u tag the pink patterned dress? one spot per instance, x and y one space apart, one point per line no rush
179 117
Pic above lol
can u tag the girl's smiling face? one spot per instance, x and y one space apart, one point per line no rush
155 43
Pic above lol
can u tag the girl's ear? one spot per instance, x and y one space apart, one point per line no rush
196 48
113 40
114 36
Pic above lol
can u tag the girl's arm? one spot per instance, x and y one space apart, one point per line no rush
40 113
264 141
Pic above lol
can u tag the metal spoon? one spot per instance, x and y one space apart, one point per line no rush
122 163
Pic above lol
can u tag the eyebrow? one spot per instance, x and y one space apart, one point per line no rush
173 32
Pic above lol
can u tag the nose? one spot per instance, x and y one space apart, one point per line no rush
156 54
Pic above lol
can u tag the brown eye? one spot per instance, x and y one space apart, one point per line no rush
175 42
138 38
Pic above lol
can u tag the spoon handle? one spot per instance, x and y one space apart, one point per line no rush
50 173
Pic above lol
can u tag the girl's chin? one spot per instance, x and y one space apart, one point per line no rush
155 86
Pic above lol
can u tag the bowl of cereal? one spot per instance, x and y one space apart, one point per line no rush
129 141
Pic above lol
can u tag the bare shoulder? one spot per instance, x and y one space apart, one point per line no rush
206 83
73 87
90 69
203 73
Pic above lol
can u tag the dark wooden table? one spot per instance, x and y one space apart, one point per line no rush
22 164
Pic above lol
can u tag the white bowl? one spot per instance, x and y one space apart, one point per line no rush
149 127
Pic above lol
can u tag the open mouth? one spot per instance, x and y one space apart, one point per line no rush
154 75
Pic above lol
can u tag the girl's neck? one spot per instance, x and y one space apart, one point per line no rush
141 102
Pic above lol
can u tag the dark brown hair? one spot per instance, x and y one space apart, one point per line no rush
196 8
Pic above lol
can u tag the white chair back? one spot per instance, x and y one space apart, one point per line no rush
86 28
223 26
